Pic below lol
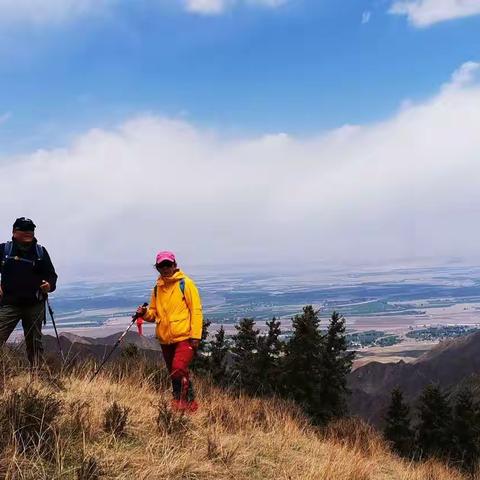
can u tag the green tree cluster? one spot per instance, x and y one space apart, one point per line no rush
446 428
309 368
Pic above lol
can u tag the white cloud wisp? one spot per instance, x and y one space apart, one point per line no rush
206 7
423 13
366 17
217 7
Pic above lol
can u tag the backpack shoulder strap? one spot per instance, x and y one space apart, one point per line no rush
39 250
182 288
7 252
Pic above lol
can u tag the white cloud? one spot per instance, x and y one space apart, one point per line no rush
206 7
465 75
366 17
403 188
423 13
216 7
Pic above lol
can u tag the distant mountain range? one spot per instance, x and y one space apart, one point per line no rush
449 364
82 348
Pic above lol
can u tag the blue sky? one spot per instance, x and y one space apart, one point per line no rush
238 131
301 68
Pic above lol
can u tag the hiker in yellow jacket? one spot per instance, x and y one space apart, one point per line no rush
176 308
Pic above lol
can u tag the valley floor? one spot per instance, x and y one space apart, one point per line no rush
407 351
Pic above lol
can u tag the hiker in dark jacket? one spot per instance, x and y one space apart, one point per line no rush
27 276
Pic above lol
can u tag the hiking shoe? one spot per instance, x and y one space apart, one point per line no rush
184 407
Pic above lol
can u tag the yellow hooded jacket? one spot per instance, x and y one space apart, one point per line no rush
177 316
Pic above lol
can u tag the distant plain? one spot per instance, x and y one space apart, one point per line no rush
394 301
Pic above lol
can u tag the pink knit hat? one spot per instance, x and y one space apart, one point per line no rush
162 256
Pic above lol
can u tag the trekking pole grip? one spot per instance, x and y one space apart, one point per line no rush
117 343
136 315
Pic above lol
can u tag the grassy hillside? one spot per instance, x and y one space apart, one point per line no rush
229 438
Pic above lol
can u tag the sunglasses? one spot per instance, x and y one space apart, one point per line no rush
164 264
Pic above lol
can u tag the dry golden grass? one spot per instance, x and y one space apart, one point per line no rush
228 438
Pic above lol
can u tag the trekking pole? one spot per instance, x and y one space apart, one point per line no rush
117 343
50 311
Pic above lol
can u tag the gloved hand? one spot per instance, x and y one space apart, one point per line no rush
45 286
141 311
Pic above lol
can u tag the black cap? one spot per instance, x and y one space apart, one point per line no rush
24 224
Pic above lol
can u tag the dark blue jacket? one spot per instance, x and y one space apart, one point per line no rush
21 280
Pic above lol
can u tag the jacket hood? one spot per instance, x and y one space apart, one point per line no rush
177 276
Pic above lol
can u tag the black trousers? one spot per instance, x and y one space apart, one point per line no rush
32 317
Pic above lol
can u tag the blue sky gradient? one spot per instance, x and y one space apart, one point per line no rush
301 68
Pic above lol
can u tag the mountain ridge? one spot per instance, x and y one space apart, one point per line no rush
446 364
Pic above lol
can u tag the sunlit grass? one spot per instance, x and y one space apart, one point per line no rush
230 437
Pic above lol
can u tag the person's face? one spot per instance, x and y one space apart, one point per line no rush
23 236
166 268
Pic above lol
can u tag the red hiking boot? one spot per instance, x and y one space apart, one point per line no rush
184 406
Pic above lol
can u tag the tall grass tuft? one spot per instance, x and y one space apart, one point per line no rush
28 420
89 469
169 421
356 435
12 362
116 418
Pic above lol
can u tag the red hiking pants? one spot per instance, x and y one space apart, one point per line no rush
177 358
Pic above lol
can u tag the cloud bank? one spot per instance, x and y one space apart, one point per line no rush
423 13
406 187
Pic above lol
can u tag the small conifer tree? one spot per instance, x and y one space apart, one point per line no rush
397 428
218 355
336 364
435 423
270 349
201 361
466 431
245 348
302 364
